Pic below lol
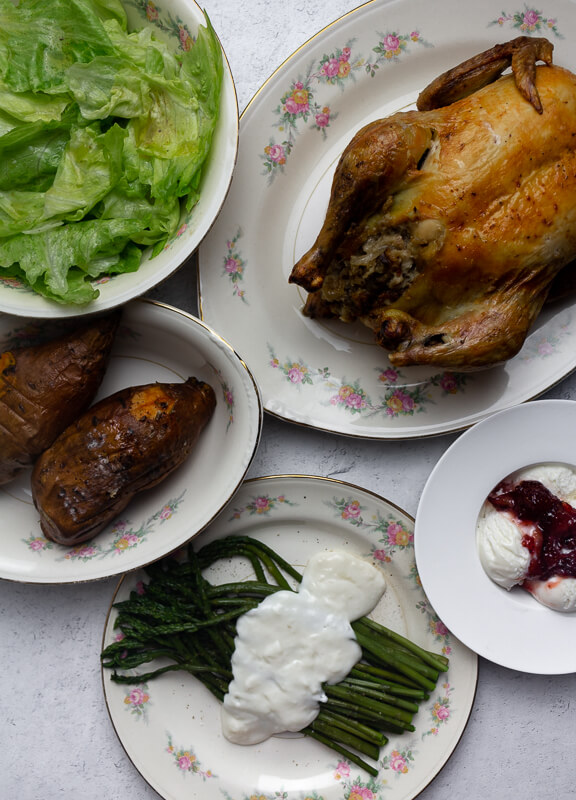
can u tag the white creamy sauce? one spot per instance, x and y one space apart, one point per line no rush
558 593
502 554
293 642
499 539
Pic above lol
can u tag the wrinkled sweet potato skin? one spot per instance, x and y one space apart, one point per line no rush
44 388
124 444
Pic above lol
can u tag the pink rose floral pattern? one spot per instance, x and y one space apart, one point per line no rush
262 505
229 402
397 398
542 344
38 543
450 382
391 46
137 701
447 382
14 283
300 104
186 761
351 397
349 510
529 21
398 761
436 627
233 267
392 534
296 371
164 21
440 711
124 537
357 789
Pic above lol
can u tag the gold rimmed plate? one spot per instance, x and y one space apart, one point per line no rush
170 728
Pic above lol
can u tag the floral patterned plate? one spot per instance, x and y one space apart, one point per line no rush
329 375
177 22
154 343
170 728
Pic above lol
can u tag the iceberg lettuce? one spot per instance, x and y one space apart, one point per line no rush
103 137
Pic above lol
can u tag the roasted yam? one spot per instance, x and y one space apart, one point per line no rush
124 444
44 388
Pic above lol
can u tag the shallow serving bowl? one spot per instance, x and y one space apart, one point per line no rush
507 627
155 342
175 21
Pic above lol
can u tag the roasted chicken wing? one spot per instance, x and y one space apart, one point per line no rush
447 225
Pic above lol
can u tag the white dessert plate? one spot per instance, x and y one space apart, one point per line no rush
170 727
155 342
177 22
509 628
325 374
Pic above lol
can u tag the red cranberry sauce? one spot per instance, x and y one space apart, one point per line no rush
531 502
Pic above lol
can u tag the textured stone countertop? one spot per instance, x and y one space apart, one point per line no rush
56 739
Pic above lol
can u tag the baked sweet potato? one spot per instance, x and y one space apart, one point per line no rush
124 444
44 388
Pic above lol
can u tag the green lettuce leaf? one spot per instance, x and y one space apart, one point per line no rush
60 262
39 40
31 152
89 168
103 138
33 106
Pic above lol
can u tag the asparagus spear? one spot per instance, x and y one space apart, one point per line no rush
189 622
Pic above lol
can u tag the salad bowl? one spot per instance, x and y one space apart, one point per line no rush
176 48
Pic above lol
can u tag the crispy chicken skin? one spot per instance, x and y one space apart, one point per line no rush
447 225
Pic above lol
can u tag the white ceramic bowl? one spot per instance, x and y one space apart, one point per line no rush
155 342
507 627
22 301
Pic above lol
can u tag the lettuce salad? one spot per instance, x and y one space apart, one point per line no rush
103 137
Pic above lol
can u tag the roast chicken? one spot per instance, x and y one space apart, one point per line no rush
447 225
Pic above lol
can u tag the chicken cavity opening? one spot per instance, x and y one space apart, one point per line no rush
381 270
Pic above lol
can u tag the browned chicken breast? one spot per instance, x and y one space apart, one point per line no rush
447 225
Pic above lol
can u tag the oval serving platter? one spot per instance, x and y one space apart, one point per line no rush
328 375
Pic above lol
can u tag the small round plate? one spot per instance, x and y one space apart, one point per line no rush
170 728
509 628
154 343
